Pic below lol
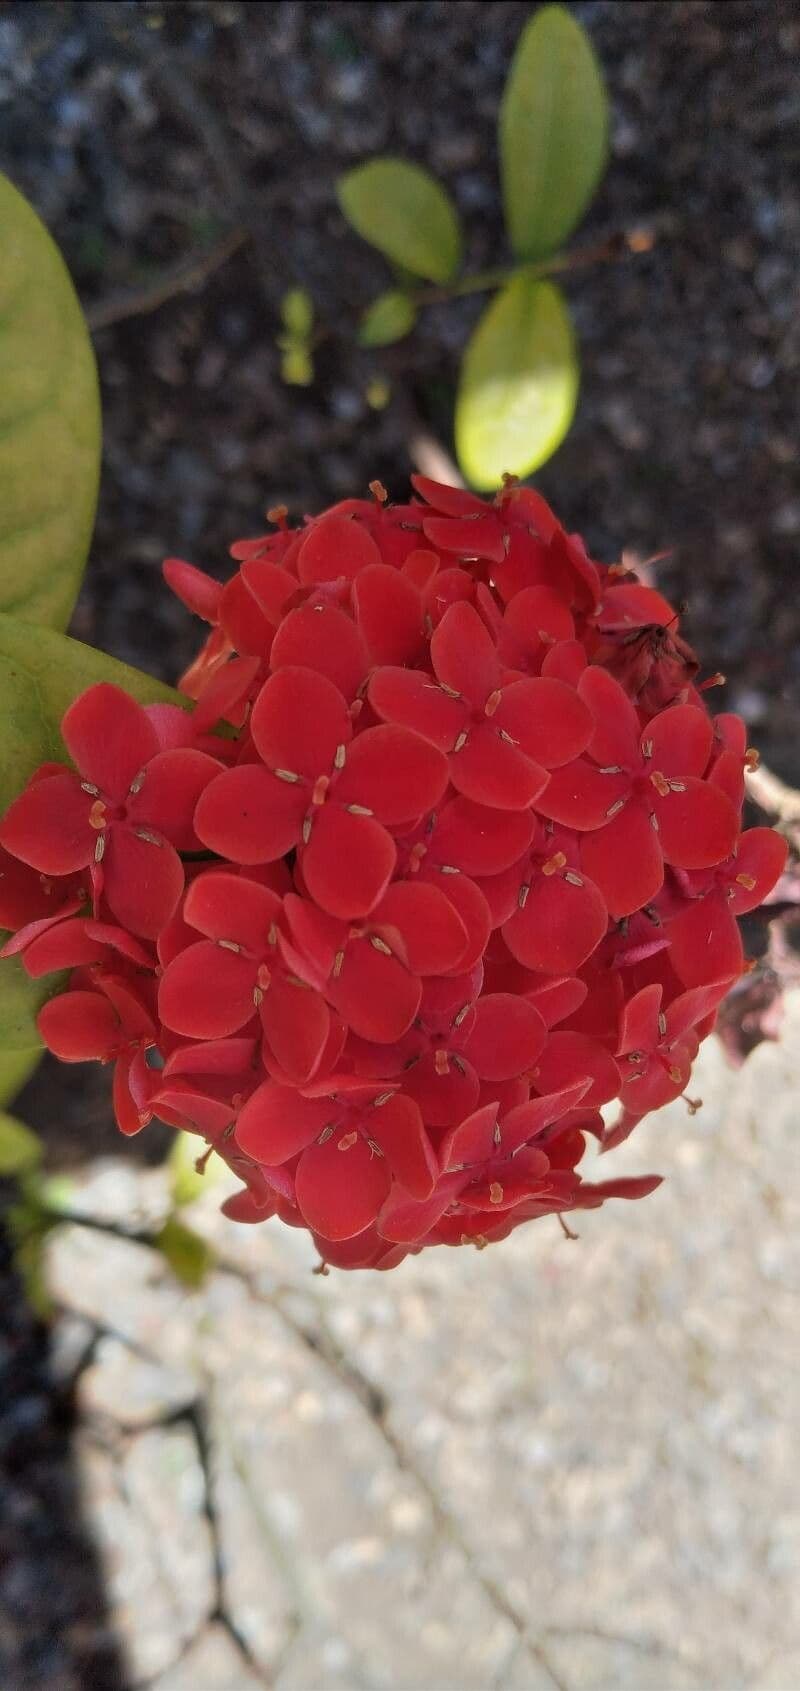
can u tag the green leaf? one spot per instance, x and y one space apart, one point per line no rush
387 319
553 132
402 210
519 384
15 1066
49 422
21 999
297 312
188 1255
297 367
20 1149
41 672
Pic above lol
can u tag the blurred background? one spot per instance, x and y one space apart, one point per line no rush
552 1466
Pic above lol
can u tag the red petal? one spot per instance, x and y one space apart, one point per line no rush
481 841
569 1058
276 1123
559 924
474 911
534 619
335 546
397 1127
299 720
760 857
270 585
450 501
222 905
507 1037
207 992
565 662
110 738
219 1057
639 1025
547 719
616 724
48 825
247 628
556 1000
226 693
580 796
79 1027
445 1087
26 896
326 640
681 738
377 996
394 772
389 612
61 945
142 881
404 1221
348 862
464 655
473 1141
129 1118
250 816
339 1191
632 605
479 536
490 771
433 935
530 1119
198 592
413 700
705 944
624 860
173 782
698 825
296 1021
690 1008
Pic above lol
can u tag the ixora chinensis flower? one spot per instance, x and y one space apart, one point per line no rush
446 857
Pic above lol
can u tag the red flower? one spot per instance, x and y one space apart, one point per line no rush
125 815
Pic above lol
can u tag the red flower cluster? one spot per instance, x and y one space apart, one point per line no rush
446 857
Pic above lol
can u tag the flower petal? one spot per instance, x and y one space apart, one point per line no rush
547 719
470 536
377 996
394 772
464 655
479 840
433 935
248 815
398 1128
704 942
143 881
414 700
225 695
624 859
79 1027
167 798
507 1036
760 859
580 795
298 721
325 639
297 1023
474 1140
207 992
60 945
467 898
110 737
561 921
48 825
335 546
197 591
528 1120
569 1058
404 1220
639 1023
616 725
225 906
697 824
341 1185
388 609
681 738
277 1122
444 1085
490 771
348 862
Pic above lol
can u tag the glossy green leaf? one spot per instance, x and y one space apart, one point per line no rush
391 316
553 132
20 1149
519 384
15 1066
402 210
297 312
41 672
188 1255
49 422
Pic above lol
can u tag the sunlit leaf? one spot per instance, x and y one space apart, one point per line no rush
402 210
553 132
49 422
519 384
15 1066
387 319
297 312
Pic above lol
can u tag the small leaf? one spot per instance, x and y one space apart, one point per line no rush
20 1149
378 393
553 132
16 1067
188 1255
297 312
297 369
519 384
21 999
41 672
49 422
402 210
387 319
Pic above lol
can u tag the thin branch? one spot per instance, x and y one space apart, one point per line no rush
615 247
180 279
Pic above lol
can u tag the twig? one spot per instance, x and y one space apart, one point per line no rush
778 799
615 247
180 279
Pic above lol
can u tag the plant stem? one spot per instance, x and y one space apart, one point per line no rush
484 281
